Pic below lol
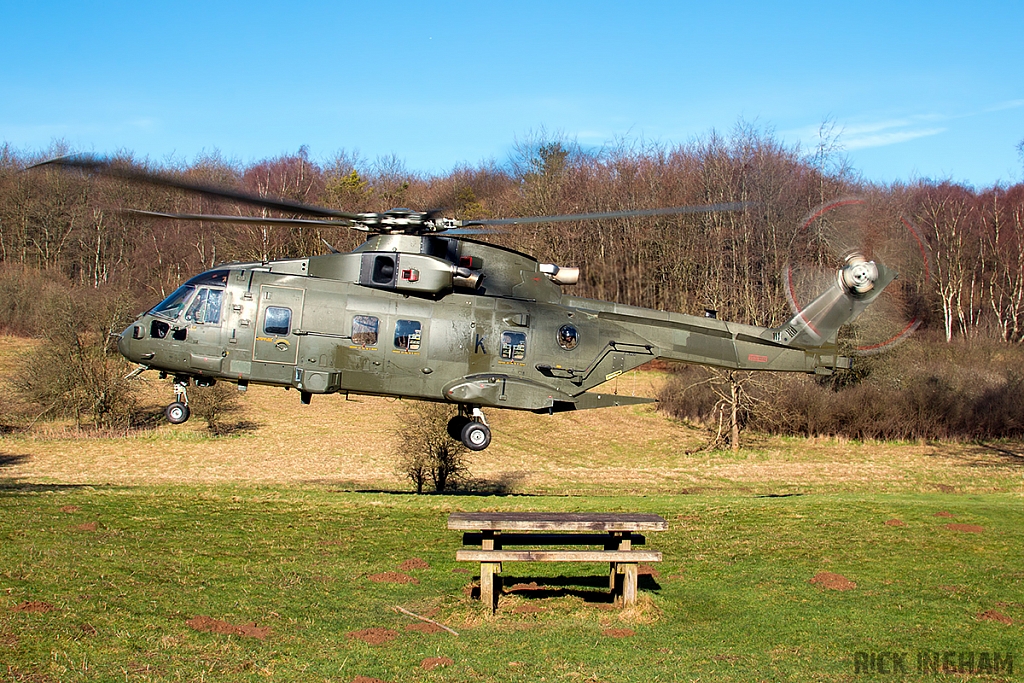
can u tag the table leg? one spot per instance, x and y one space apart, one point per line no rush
629 572
618 578
490 584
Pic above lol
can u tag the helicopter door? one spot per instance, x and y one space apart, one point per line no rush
279 316
362 360
407 354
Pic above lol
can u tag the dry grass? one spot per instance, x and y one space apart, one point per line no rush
633 449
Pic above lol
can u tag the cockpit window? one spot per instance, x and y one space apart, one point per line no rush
172 305
205 307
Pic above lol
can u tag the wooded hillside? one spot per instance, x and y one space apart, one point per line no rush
63 234
69 227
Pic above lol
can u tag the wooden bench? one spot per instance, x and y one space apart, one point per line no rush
495 531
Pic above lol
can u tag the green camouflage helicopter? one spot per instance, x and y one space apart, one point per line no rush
422 311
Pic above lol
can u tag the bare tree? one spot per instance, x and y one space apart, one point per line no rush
426 453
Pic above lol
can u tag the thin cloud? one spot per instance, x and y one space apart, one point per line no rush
1012 104
866 135
880 139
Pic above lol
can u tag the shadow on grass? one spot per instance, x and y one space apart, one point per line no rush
590 589
15 486
1013 454
505 485
458 493
7 460
233 428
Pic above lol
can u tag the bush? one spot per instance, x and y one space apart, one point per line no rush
925 389
76 371
426 453
213 404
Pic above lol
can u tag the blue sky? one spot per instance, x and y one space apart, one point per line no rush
914 89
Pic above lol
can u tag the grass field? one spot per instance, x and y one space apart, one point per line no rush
276 554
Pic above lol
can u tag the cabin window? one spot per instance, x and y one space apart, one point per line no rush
364 330
205 307
278 321
408 335
513 345
568 337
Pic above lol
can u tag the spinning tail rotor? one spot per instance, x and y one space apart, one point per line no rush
862 236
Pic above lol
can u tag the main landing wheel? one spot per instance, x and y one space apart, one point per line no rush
177 413
476 436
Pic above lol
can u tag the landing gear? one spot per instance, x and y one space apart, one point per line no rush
470 427
178 411
476 436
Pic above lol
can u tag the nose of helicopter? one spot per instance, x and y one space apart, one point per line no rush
124 342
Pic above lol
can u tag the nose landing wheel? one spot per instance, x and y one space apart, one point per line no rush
178 412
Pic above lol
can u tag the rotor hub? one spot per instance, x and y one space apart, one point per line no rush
859 274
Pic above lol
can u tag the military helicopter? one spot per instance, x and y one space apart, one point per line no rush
420 310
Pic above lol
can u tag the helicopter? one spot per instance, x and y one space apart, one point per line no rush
421 310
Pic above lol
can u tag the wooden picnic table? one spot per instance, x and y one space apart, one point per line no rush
617 533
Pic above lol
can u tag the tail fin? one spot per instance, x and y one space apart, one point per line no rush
857 284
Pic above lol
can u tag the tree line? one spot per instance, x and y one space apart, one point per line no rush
67 235
70 228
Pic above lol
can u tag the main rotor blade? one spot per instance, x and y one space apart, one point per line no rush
708 208
106 167
286 222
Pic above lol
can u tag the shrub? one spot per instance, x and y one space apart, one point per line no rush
213 404
426 453
76 371
925 389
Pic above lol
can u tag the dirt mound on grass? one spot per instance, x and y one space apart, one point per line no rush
211 625
424 627
943 513
835 582
373 636
532 586
527 609
993 615
392 577
89 526
647 570
431 663
70 508
618 632
966 528
895 522
33 606
413 564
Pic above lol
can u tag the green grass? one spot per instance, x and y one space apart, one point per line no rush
733 600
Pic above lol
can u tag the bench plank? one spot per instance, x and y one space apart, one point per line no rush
547 521
558 556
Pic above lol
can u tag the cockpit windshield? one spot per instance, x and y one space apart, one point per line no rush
171 306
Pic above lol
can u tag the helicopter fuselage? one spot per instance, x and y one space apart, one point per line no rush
435 319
